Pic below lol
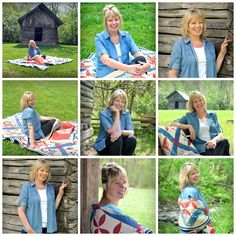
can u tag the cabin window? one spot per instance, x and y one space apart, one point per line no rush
38 32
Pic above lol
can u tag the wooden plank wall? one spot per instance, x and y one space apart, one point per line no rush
219 20
16 173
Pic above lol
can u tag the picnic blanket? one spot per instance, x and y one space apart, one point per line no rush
110 219
192 218
88 67
31 63
174 142
63 142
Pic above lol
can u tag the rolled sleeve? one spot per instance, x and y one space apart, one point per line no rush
218 126
182 120
128 122
133 47
175 58
100 48
105 122
23 198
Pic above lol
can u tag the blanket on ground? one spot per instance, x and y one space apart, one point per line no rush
33 64
192 218
63 142
174 142
110 219
88 67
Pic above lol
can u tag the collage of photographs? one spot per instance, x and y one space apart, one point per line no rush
117 117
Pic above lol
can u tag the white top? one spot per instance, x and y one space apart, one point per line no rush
118 52
201 56
204 129
44 206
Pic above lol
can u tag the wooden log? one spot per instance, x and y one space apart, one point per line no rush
86 134
88 94
84 104
210 6
88 83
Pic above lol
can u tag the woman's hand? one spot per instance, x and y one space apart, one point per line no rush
144 66
114 109
135 69
30 231
192 132
63 186
211 144
33 144
223 47
115 135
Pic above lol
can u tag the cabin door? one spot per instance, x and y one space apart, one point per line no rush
176 105
38 33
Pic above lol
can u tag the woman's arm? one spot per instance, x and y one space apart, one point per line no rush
221 56
24 220
61 193
116 125
173 73
213 142
31 135
185 126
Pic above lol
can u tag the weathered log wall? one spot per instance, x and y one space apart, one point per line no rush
16 173
219 22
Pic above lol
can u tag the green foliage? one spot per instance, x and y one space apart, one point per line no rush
142 32
54 98
216 186
166 117
13 51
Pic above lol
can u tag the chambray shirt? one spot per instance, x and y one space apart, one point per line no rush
31 117
215 128
106 122
104 45
32 52
184 59
29 198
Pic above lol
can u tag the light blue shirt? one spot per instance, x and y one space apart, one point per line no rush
31 117
29 198
104 45
184 59
106 122
215 128
32 52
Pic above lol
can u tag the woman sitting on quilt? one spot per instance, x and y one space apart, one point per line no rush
205 131
115 187
114 45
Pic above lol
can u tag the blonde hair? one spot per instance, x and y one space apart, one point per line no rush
111 11
24 99
119 93
110 173
190 15
195 94
185 170
36 166
31 42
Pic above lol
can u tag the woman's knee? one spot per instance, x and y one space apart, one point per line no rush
132 140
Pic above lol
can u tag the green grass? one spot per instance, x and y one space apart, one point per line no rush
165 117
140 205
138 18
14 51
54 98
166 227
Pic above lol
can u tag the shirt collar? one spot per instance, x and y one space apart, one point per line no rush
187 40
107 35
32 184
195 114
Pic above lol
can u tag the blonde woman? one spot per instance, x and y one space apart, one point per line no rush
35 126
194 212
37 203
114 45
115 187
116 133
203 126
34 53
193 56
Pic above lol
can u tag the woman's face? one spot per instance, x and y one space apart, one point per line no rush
117 189
118 103
195 27
193 177
31 102
113 24
199 104
41 175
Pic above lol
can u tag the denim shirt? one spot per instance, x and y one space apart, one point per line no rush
106 122
31 117
184 59
29 198
104 45
215 128
32 51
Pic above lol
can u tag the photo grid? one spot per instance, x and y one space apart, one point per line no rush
117 117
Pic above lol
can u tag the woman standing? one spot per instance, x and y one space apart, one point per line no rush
116 133
203 126
194 212
193 56
37 203
114 45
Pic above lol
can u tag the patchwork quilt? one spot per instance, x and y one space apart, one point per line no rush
109 219
33 64
63 142
88 67
174 142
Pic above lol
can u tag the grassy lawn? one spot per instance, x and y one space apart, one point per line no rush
140 205
165 117
15 51
54 98
138 18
